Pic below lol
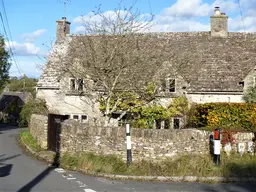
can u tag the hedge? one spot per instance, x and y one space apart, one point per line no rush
224 115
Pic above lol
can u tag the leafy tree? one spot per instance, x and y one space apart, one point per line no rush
22 84
33 106
250 95
4 64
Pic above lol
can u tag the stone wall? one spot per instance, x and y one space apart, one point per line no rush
38 127
148 144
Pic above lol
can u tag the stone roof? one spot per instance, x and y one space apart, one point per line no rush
6 98
24 96
213 64
49 79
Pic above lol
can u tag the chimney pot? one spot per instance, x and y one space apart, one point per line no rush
217 11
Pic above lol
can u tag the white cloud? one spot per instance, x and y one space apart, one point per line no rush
80 29
31 37
179 26
23 49
183 15
247 24
27 66
185 8
91 17
193 15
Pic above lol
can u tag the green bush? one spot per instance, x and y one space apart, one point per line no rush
250 95
224 115
33 106
148 114
28 139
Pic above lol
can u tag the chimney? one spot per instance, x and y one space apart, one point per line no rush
219 24
63 28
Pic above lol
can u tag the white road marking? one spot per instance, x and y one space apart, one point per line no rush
81 184
89 190
60 170
70 177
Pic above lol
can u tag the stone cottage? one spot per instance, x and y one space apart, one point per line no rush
222 66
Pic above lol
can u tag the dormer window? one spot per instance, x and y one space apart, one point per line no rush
76 84
171 85
80 84
72 84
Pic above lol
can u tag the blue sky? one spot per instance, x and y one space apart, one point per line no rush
33 22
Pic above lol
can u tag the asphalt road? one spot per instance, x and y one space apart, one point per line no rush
22 173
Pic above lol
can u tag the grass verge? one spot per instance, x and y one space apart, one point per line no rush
187 165
29 140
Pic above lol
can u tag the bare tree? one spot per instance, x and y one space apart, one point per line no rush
117 59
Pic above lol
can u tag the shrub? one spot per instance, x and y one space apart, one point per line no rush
250 95
33 106
225 115
148 114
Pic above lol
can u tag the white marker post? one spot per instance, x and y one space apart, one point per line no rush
129 145
217 146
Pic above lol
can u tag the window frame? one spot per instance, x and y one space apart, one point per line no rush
79 117
78 83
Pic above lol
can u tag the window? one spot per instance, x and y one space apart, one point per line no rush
171 85
72 84
80 84
84 118
76 117
176 123
76 84
80 118
158 124
167 124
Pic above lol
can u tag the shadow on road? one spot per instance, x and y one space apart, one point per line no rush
47 171
6 127
5 169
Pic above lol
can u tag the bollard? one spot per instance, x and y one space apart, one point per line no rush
217 146
129 145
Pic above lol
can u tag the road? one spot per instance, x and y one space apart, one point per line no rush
22 173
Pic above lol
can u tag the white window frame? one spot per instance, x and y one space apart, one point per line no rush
79 117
